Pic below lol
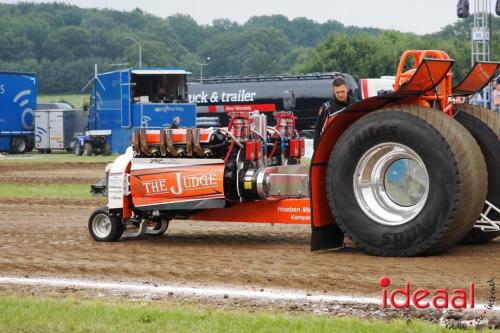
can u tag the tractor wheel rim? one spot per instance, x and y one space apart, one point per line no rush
101 225
391 184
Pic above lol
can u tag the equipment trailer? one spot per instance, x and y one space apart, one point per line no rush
403 174
17 111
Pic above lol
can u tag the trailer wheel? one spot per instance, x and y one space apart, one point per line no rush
106 149
406 181
19 145
78 149
87 149
104 228
484 125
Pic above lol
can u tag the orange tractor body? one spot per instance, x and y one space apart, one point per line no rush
392 171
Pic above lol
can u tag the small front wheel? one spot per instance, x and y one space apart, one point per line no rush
104 228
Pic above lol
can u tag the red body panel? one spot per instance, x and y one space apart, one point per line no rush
250 108
289 211
161 186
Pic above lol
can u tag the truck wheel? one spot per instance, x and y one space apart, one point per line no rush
78 149
103 228
406 181
19 145
87 149
30 145
484 125
106 149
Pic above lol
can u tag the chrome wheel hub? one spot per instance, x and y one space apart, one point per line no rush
391 184
101 225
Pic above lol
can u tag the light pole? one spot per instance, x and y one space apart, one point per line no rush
201 64
140 49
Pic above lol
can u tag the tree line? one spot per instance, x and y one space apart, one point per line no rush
61 43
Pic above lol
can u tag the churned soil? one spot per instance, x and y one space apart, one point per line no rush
49 238
51 173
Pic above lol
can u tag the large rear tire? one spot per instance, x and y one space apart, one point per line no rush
406 181
104 228
484 125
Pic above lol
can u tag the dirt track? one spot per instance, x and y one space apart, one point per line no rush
50 238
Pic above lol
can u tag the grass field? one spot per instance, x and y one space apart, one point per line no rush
26 314
76 100
55 157
73 191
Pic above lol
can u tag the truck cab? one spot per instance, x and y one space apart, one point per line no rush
139 98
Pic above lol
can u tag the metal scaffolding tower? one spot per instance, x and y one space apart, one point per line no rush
481 39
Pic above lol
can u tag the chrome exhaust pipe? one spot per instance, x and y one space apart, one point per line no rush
163 143
189 141
196 143
170 146
143 143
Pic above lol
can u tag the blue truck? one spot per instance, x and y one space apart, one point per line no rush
17 107
124 100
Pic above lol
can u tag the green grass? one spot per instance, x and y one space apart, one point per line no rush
55 157
76 100
26 314
74 191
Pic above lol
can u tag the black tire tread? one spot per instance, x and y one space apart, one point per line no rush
471 189
491 120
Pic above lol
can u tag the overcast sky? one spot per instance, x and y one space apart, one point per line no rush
419 16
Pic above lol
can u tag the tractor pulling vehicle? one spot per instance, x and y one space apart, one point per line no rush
402 174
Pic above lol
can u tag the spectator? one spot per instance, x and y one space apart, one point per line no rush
175 122
496 95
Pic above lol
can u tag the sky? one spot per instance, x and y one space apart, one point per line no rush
418 16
